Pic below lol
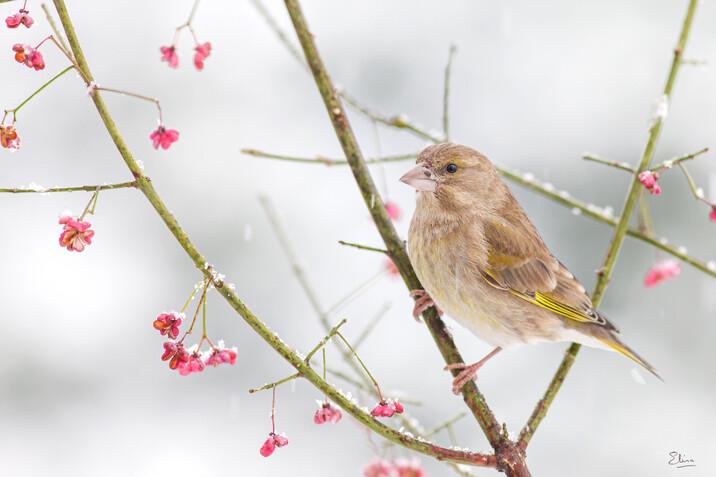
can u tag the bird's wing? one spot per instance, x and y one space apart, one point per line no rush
520 263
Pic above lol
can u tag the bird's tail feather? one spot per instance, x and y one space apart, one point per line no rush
614 343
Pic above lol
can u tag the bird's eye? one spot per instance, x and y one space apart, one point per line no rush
451 168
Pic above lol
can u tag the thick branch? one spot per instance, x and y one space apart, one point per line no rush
472 397
619 233
144 184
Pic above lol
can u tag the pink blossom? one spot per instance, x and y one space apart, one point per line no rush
222 355
75 234
387 408
164 137
8 137
175 354
327 413
392 209
29 56
20 18
712 214
379 468
648 180
408 468
202 52
274 440
661 271
391 268
168 324
192 365
169 54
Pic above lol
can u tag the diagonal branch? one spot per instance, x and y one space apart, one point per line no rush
509 460
145 185
620 233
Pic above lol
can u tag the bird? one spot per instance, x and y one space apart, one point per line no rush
482 262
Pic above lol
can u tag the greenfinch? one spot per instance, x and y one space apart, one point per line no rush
482 261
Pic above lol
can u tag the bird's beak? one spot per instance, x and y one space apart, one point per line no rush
421 178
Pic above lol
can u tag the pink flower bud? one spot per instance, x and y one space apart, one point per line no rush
169 54
327 413
75 234
175 354
164 137
168 324
29 56
408 468
661 271
202 52
712 214
391 268
21 18
392 209
8 137
379 468
192 365
274 440
383 409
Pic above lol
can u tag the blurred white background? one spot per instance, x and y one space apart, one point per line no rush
535 84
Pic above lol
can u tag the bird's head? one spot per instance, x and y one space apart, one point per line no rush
455 178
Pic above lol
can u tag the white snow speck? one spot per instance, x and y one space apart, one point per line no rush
683 250
662 109
140 163
576 211
711 265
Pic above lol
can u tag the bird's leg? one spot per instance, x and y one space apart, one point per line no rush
423 301
469 371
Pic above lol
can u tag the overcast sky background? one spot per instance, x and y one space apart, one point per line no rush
535 84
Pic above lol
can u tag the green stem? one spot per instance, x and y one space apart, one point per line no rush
53 26
49 82
621 230
85 188
362 247
692 185
326 161
618 165
362 364
446 93
147 188
677 160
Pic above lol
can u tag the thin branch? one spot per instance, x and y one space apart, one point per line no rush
619 165
84 188
145 186
620 233
53 27
363 247
603 215
326 161
695 191
514 464
446 93
677 160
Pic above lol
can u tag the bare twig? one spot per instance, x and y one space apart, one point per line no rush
509 459
84 188
446 93
326 161
619 233
146 187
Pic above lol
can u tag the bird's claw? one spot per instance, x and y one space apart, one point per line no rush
423 301
468 373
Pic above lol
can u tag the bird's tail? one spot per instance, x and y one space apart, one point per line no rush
614 343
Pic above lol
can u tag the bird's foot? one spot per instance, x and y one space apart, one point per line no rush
423 301
469 371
